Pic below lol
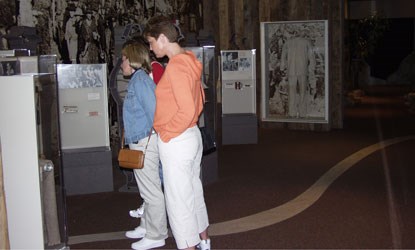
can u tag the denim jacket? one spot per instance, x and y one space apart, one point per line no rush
139 106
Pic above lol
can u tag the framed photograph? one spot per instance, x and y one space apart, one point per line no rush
9 66
294 56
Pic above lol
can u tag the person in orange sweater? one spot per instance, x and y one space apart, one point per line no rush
179 102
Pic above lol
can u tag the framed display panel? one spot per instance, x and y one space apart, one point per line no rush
83 105
238 81
294 72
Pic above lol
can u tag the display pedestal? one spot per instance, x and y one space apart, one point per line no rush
88 172
239 129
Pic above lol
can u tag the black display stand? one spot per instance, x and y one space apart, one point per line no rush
239 129
87 172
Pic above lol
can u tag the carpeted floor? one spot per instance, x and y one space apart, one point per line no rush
352 188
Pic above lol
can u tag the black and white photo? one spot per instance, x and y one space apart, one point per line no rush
81 76
230 61
8 67
294 71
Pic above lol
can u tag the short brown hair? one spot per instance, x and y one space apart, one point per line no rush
158 25
137 53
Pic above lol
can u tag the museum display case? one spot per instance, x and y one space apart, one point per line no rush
32 167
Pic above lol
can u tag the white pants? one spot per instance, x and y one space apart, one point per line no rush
154 219
181 158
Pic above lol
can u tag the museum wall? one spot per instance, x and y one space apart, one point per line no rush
357 9
229 24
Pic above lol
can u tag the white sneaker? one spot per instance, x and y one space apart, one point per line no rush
137 213
137 233
204 245
145 244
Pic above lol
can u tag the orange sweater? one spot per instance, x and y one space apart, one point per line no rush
178 96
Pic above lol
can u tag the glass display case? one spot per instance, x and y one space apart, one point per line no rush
37 177
50 162
207 120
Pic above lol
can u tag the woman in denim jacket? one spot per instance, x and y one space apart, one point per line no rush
138 115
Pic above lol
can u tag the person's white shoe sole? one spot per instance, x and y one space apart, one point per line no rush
135 234
204 245
149 244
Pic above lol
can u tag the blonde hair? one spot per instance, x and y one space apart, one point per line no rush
138 54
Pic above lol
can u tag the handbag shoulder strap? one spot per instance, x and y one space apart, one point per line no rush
148 140
122 139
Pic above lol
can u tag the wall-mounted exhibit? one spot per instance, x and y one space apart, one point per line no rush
294 71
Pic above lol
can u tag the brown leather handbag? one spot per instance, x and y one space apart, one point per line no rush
132 159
